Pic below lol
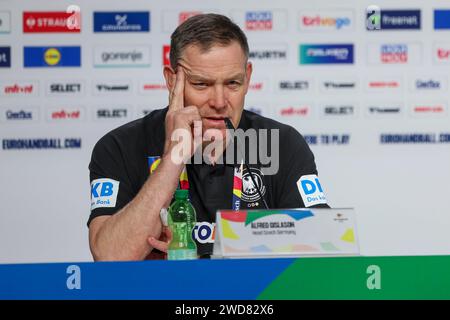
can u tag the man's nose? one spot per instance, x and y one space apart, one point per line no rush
217 99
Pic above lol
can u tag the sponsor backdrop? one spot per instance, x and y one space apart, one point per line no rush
369 90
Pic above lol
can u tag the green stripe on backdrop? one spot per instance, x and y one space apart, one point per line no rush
412 277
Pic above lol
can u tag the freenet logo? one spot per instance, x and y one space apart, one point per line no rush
5 57
5 22
62 56
258 20
321 20
441 19
123 21
54 21
392 19
326 54
121 56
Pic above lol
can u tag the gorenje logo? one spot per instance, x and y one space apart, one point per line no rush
321 20
124 21
5 22
5 57
393 19
441 19
326 54
51 22
28 88
258 20
62 56
138 56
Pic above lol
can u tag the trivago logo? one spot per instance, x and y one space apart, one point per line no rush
311 190
326 54
338 20
63 56
104 193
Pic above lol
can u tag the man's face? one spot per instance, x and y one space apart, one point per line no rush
216 83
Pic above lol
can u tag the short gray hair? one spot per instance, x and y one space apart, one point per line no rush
205 31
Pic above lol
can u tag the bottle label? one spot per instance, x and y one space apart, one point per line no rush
182 254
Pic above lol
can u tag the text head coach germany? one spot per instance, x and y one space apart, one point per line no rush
136 168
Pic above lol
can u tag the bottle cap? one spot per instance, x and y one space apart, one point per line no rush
181 194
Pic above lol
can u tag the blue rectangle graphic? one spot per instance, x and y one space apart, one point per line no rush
400 20
5 57
441 19
122 21
63 56
326 54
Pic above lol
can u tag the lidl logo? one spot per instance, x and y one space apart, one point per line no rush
64 56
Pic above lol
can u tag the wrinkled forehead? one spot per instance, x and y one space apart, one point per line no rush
217 61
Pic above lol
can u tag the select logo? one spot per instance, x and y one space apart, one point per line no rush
338 111
41 57
326 54
115 113
64 88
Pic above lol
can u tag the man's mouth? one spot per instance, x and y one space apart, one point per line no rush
215 120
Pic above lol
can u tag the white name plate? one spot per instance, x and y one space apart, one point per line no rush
285 233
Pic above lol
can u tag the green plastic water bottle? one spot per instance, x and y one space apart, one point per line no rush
182 219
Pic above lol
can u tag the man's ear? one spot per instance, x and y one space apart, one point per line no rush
248 75
170 77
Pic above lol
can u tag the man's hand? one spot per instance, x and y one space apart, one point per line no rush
162 244
183 124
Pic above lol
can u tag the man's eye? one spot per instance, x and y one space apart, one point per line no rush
234 84
200 84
